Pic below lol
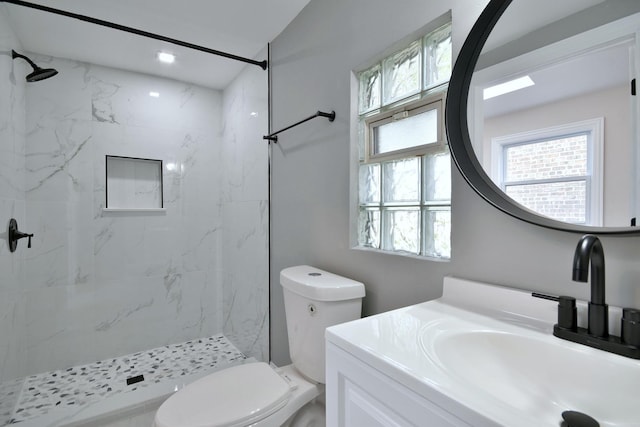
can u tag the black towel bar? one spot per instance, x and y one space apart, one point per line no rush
331 116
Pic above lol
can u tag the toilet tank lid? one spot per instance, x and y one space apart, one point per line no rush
319 285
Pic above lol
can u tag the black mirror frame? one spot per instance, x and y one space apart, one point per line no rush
460 144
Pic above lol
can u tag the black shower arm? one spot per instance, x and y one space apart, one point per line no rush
15 55
331 116
261 64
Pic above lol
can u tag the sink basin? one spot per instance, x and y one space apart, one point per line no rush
536 373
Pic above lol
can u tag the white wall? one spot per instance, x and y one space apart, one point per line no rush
12 149
611 104
100 284
312 63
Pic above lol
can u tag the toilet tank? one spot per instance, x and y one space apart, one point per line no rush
314 300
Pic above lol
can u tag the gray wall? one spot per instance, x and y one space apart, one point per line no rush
312 62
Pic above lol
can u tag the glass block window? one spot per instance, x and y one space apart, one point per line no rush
405 205
369 88
438 63
369 184
402 73
402 179
404 184
369 227
402 229
422 65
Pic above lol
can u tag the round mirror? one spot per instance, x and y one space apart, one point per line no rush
540 113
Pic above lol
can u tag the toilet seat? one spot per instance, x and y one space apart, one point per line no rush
237 396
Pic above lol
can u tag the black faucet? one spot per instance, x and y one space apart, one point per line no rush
589 250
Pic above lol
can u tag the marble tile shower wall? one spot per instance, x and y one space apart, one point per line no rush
12 203
100 284
245 212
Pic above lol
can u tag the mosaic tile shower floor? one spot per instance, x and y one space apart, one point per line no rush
79 385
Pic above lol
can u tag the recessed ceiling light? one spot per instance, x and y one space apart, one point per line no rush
154 94
166 57
506 87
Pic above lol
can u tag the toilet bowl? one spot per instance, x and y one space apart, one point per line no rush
260 395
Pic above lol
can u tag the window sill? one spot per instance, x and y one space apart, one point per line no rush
401 254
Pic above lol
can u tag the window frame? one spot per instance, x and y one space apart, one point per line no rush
428 103
594 179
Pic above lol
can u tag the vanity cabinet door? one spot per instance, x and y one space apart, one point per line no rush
360 396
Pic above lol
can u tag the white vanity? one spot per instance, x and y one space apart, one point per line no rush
481 355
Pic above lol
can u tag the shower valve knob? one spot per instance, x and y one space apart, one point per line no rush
15 235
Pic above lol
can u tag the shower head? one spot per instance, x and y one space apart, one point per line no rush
38 73
41 74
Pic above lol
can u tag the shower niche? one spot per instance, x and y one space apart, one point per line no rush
133 184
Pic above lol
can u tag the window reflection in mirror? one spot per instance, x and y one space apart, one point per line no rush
571 74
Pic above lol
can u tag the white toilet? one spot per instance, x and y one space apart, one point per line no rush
257 395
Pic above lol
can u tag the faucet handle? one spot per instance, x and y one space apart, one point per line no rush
567 313
630 326
632 314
